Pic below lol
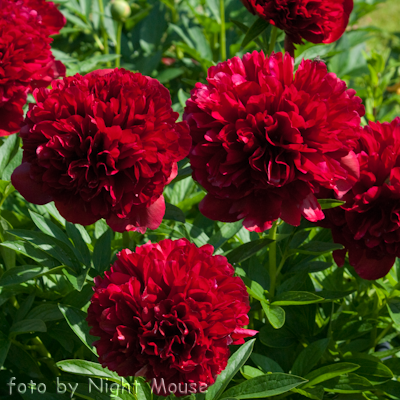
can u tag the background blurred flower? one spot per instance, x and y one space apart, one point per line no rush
170 310
26 61
102 145
318 21
368 225
264 142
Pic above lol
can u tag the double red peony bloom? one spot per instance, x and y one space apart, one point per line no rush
318 21
264 142
368 225
170 310
102 145
26 61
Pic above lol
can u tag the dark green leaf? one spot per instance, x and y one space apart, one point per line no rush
102 252
77 321
309 357
372 369
28 325
278 338
4 347
259 26
75 232
245 251
394 310
225 233
23 273
174 213
46 312
265 363
264 386
329 372
351 383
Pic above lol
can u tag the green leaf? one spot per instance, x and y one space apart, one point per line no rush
4 347
351 383
280 338
259 26
309 357
329 372
143 390
296 299
235 362
372 369
264 386
225 233
88 368
245 251
214 7
316 393
6 151
169 74
265 363
28 325
77 321
275 315
392 388
23 273
394 310
102 252
79 236
46 312
317 248
250 372
174 213
326 204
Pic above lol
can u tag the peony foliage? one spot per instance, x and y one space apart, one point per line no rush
199 199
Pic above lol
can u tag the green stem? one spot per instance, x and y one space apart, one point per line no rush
223 30
118 47
274 35
272 260
103 30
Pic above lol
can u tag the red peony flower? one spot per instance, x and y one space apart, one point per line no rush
168 312
368 225
264 142
318 21
45 14
26 61
102 146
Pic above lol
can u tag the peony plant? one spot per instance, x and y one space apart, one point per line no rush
194 204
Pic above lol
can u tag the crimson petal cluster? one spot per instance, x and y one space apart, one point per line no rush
264 142
102 145
26 61
169 310
318 21
368 224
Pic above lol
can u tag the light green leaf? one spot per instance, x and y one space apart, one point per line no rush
236 361
225 233
296 299
275 315
326 204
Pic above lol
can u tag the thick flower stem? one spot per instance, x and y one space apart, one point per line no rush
223 30
118 47
274 35
272 260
